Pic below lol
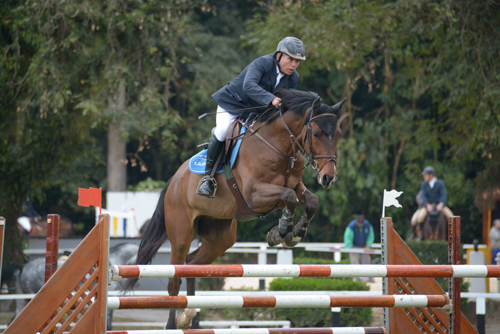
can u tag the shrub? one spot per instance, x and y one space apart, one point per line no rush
301 317
313 260
321 317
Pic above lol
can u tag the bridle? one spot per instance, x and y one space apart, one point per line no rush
312 156
292 159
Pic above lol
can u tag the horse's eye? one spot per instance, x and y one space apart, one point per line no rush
316 134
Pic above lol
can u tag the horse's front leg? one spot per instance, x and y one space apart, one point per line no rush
266 193
311 203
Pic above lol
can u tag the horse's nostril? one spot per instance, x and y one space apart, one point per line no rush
326 179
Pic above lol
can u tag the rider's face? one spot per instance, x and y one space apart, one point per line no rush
288 64
427 177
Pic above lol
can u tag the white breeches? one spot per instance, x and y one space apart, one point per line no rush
222 120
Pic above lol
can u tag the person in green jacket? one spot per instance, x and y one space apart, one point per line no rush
359 234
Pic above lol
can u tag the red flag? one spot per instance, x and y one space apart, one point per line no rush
88 197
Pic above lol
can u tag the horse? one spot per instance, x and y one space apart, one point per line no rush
435 226
39 228
268 174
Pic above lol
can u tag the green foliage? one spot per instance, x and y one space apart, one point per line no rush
421 79
300 317
430 252
436 252
314 260
317 283
211 284
409 70
148 184
321 317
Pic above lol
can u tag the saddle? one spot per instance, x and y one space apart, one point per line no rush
433 217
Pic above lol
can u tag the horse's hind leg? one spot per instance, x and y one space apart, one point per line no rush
218 238
180 240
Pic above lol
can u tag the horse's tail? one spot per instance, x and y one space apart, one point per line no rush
153 238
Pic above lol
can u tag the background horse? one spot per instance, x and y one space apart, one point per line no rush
435 226
39 228
268 173
31 276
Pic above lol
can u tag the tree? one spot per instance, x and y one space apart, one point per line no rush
409 71
40 132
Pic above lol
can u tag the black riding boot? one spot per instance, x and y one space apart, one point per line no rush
208 185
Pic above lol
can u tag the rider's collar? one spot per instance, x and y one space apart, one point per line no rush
433 182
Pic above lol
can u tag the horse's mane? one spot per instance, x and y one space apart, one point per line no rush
295 100
327 124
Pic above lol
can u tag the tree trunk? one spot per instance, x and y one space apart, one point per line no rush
117 152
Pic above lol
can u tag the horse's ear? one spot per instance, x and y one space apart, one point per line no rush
316 106
336 108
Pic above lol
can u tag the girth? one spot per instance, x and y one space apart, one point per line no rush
243 211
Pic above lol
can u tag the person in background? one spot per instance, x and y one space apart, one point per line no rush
359 234
28 217
434 196
495 240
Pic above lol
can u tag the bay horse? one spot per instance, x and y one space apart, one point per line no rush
435 226
268 172
39 228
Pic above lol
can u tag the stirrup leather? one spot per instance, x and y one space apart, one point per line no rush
214 183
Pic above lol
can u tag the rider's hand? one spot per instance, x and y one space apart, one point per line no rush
429 207
439 207
276 102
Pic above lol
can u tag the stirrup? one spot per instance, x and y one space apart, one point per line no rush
214 184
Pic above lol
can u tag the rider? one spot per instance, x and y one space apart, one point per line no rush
27 217
433 193
254 87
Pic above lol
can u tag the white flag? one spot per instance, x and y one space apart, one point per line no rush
390 199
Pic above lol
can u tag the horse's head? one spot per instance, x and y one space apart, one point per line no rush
320 140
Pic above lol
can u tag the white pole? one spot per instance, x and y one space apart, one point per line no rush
383 205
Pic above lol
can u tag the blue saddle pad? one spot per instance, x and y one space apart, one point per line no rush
197 162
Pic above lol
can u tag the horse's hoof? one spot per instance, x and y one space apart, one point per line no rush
183 320
291 241
273 237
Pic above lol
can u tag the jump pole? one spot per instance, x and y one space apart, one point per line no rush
169 271
279 301
325 330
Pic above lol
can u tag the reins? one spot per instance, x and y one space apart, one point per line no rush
311 157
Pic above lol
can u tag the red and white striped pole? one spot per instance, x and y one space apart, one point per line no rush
325 330
279 301
236 270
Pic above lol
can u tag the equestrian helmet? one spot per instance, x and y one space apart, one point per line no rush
293 47
429 170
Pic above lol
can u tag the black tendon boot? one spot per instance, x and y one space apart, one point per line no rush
208 185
